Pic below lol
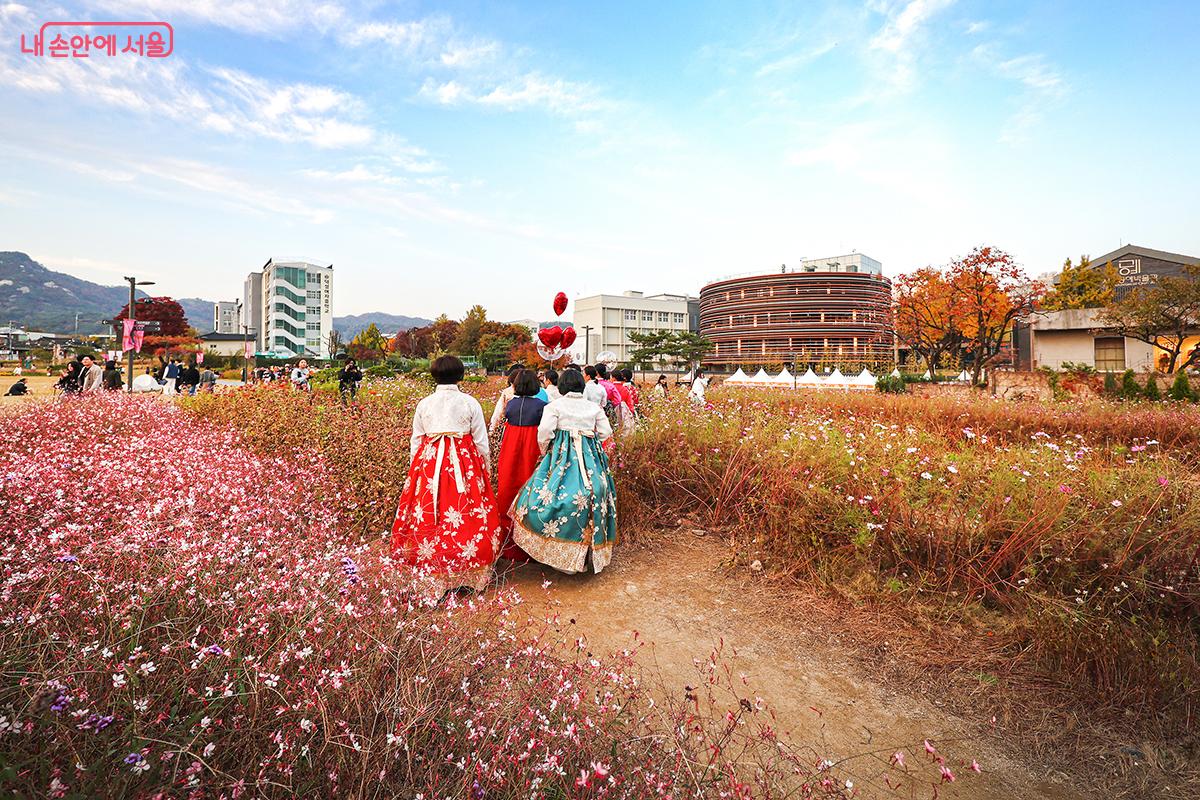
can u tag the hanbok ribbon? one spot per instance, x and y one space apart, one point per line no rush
460 484
577 443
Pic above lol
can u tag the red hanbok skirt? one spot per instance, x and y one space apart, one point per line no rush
447 525
519 456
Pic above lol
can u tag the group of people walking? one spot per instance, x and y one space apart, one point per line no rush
555 501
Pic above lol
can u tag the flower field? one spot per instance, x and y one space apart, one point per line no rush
196 602
190 611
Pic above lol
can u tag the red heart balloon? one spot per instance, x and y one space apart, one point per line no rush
551 337
560 303
568 337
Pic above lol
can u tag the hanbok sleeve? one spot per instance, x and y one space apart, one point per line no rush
603 427
418 433
547 426
497 412
479 432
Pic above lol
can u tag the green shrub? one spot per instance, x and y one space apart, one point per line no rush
1110 384
1151 391
1129 386
891 384
1181 391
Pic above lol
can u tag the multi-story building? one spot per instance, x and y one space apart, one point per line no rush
296 307
829 312
225 317
603 322
250 309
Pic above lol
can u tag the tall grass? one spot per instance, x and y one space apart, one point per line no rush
1075 533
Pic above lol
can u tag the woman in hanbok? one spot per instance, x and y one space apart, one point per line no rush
519 453
506 394
566 514
447 526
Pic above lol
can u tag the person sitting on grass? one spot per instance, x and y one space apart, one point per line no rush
17 389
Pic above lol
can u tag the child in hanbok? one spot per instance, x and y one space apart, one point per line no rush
519 453
566 514
446 522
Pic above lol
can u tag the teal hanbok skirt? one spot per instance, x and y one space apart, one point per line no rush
567 511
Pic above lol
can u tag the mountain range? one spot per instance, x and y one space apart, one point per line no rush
42 299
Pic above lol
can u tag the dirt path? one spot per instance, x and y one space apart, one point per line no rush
680 602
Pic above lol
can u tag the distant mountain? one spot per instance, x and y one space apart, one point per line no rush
350 326
41 299
199 313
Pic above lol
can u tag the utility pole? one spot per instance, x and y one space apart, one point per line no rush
587 343
133 284
246 353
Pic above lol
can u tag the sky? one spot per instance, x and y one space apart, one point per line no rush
445 155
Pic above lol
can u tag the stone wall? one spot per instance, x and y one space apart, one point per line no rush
1036 385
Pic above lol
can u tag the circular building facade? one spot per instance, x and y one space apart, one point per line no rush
818 318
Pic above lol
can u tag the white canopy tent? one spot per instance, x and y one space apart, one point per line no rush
836 378
864 379
896 372
809 378
737 377
761 376
784 378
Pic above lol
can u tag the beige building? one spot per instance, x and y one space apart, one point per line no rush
1077 336
603 322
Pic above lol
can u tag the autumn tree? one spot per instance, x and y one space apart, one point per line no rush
1082 286
988 291
470 330
174 333
1164 315
923 315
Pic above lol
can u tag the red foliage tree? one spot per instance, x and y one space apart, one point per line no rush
173 334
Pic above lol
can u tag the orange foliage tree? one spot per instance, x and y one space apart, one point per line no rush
923 315
989 292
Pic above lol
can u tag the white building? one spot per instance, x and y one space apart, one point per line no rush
295 307
853 262
250 308
604 321
225 317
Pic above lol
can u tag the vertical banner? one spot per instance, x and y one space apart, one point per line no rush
199 357
139 336
249 350
127 328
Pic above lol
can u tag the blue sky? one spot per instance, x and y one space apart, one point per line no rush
444 155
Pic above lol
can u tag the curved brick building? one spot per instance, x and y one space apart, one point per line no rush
829 312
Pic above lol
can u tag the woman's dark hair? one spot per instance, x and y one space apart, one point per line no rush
571 381
110 364
512 373
447 369
628 373
662 379
602 370
575 367
525 383
551 377
591 372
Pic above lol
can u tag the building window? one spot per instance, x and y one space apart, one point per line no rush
664 316
1110 354
678 318
647 316
630 315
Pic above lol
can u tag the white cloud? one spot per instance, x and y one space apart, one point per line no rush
531 90
899 39
1043 87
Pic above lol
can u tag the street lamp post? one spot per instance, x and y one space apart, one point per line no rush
246 352
133 284
587 343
